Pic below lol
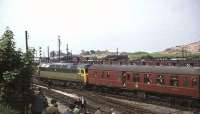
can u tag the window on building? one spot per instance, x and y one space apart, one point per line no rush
194 82
136 78
147 79
174 81
160 80
186 82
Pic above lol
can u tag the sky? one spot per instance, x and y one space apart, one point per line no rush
129 25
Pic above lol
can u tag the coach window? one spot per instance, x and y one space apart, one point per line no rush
174 81
136 78
147 79
160 80
123 75
194 82
119 76
186 82
107 74
102 75
128 77
95 74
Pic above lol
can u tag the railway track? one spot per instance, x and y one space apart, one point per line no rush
95 100
126 106
97 95
108 103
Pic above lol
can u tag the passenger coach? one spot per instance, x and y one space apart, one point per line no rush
169 80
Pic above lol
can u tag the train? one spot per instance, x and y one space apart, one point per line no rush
172 81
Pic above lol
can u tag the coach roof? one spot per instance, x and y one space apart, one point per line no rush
149 69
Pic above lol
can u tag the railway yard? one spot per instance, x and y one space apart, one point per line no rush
99 57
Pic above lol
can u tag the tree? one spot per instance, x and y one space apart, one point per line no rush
147 57
15 73
52 54
92 52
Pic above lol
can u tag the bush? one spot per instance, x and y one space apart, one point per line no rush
15 74
5 109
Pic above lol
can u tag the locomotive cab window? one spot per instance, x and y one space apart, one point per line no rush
86 70
82 71
160 80
174 81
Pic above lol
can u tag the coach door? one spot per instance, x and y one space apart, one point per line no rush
124 78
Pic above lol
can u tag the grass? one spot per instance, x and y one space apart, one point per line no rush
61 75
139 55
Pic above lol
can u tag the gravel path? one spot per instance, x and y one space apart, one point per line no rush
61 107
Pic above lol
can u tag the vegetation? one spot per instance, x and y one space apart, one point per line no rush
15 74
146 55
5 109
138 55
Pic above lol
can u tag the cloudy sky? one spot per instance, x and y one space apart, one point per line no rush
130 25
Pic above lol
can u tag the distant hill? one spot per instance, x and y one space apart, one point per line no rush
191 48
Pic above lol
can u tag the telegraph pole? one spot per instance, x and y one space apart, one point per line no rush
36 53
40 53
26 38
67 49
117 52
71 54
183 51
48 54
59 47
